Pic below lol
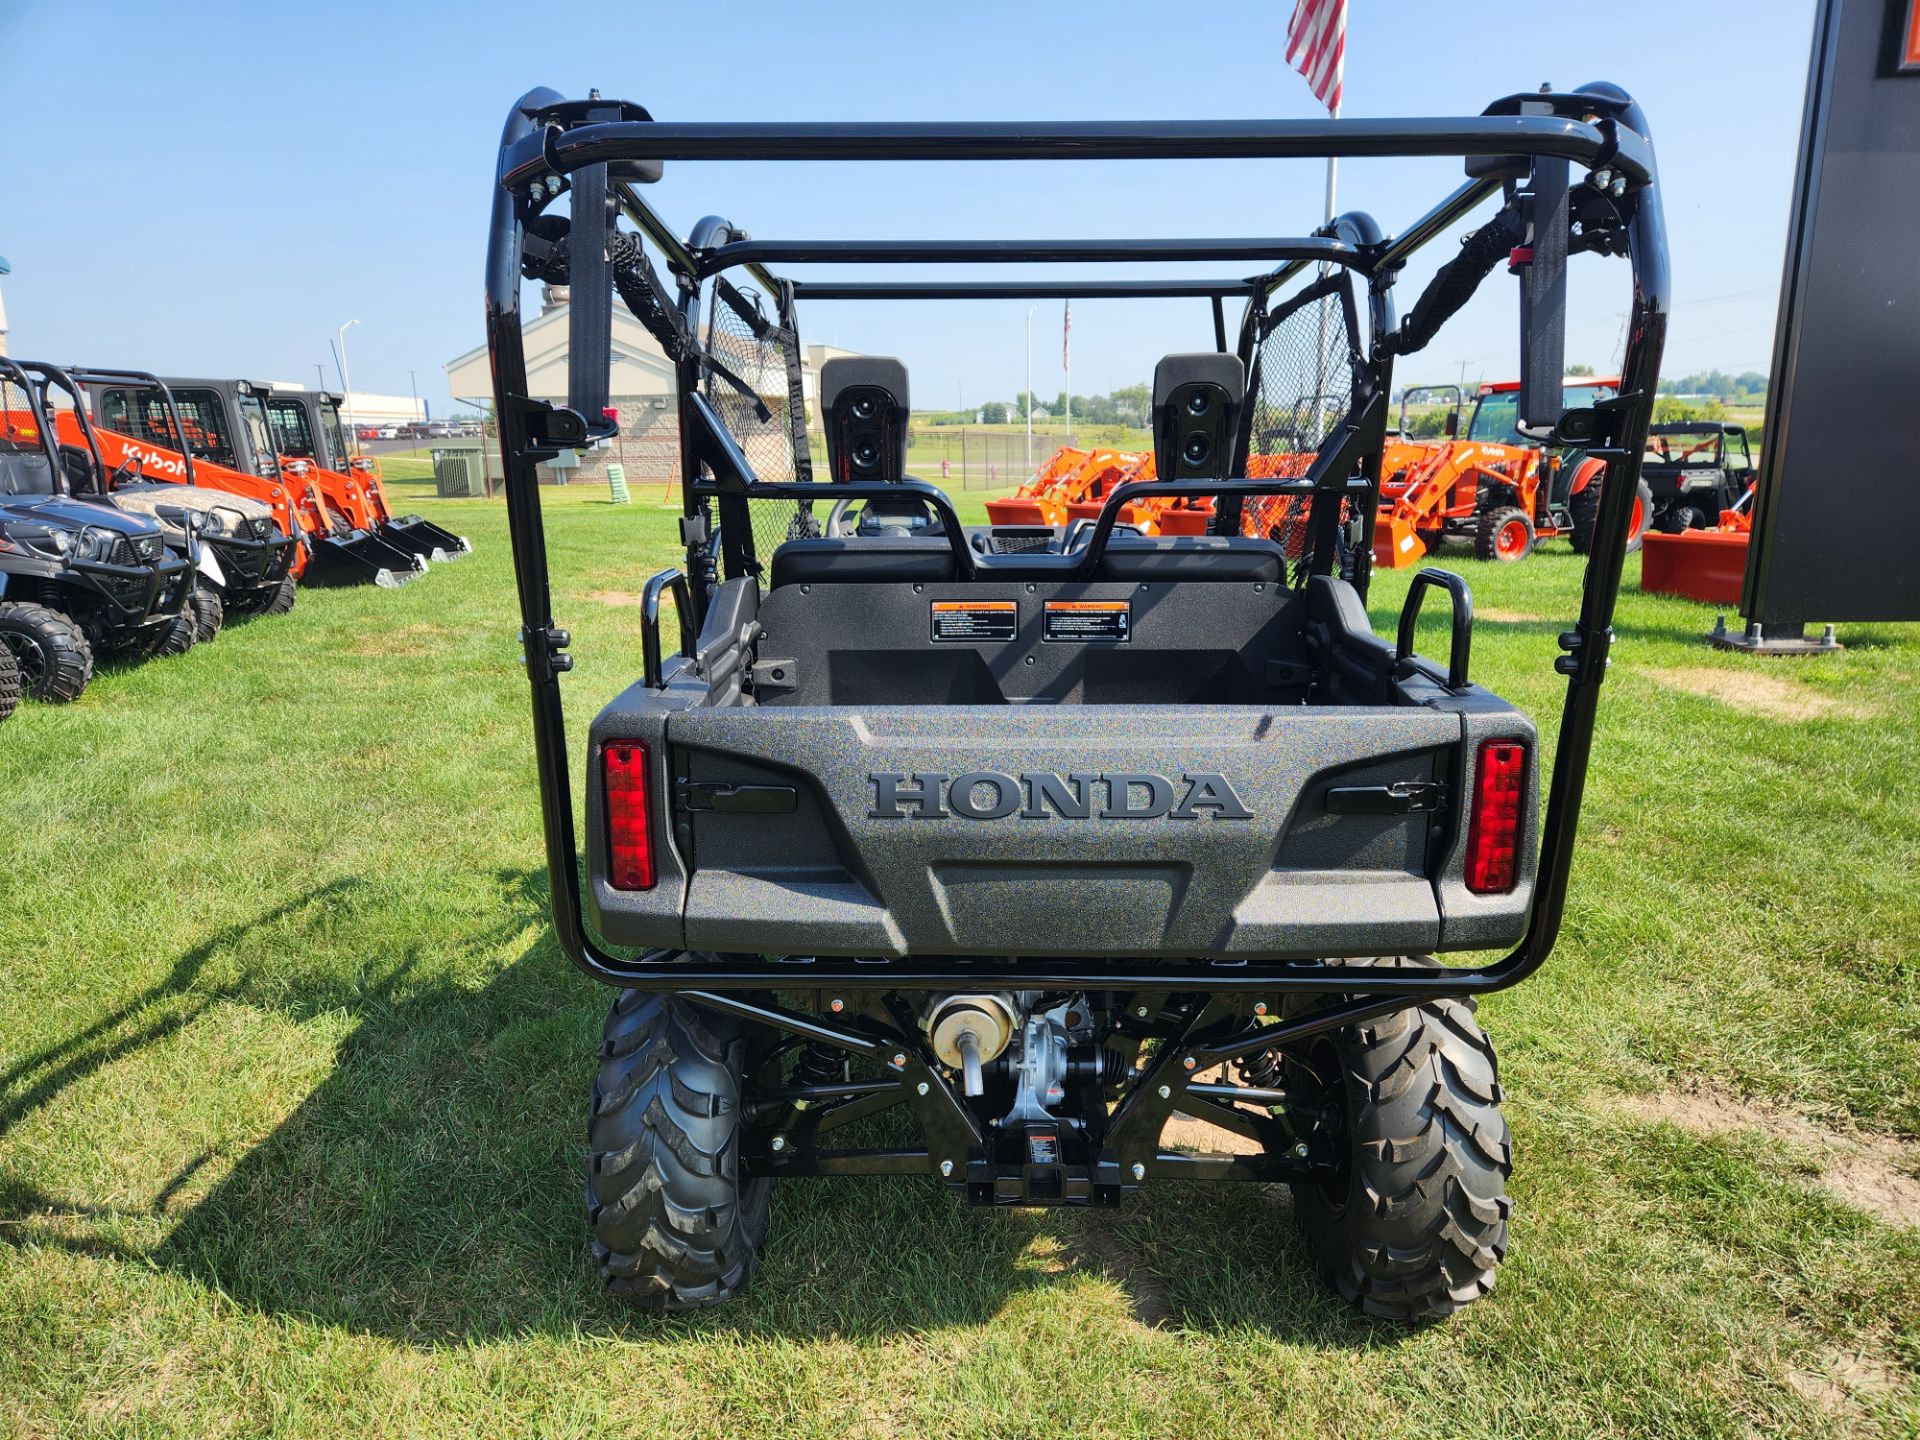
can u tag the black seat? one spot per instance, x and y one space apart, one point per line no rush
864 560
1193 557
929 560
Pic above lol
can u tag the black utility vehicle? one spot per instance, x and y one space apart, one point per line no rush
1033 837
76 579
1696 470
242 558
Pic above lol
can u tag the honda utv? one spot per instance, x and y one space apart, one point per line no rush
76 579
980 853
242 558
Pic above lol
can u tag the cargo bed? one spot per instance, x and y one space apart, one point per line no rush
1162 767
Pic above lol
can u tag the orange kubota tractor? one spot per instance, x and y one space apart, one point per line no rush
1494 486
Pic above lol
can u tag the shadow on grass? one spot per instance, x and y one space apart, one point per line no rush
430 1189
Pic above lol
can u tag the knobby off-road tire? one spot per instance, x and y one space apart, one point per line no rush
1505 534
281 601
674 1225
209 614
169 640
1682 518
9 682
1417 1226
53 656
1583 514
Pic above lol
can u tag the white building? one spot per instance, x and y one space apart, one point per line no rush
369 409
641 387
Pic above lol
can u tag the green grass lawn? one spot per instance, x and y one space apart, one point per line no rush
292 1081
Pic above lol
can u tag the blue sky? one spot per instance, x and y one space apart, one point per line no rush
213 188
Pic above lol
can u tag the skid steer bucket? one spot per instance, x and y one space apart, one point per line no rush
1704 565
422 537
415 533
354 557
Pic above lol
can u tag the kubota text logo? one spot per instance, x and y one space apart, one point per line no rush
1082 795
157 460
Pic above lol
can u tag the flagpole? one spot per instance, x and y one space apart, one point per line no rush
1066 368
1333 162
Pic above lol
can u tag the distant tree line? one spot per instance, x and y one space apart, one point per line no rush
1127 405
1747 388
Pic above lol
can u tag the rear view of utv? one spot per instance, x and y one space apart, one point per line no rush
929 849
77 579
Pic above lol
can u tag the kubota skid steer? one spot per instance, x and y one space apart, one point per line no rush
226 421
136 434
306 425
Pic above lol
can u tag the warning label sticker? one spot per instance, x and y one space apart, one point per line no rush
975 620
1087 620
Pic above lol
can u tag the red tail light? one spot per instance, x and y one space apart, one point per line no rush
1499 806
629 817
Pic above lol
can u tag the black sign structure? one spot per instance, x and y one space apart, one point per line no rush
1838 505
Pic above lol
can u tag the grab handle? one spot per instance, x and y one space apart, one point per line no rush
650 622
1462 599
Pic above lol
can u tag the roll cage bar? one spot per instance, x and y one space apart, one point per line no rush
602 150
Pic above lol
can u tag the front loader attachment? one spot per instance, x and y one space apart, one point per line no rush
419 536
1705 565
413 533
355 557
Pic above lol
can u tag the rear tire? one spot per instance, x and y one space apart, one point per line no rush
1681 519
209 614
1505 535
1416 1226
50 651
1583 515
675 1227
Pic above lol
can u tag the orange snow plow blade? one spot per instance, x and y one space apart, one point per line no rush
1705 565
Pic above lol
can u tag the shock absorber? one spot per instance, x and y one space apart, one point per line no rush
819 1064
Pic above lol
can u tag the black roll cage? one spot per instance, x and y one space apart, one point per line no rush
606 148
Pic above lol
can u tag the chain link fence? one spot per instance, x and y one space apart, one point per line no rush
965 457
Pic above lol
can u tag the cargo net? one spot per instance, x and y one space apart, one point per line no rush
19 435
752 364
1302 386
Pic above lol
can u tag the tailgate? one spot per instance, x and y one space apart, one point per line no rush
1056 831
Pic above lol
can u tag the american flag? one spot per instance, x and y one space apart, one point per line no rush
1066 336
1317 47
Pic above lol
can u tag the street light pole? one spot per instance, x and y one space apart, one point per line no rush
1029 399
413 388
346 379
